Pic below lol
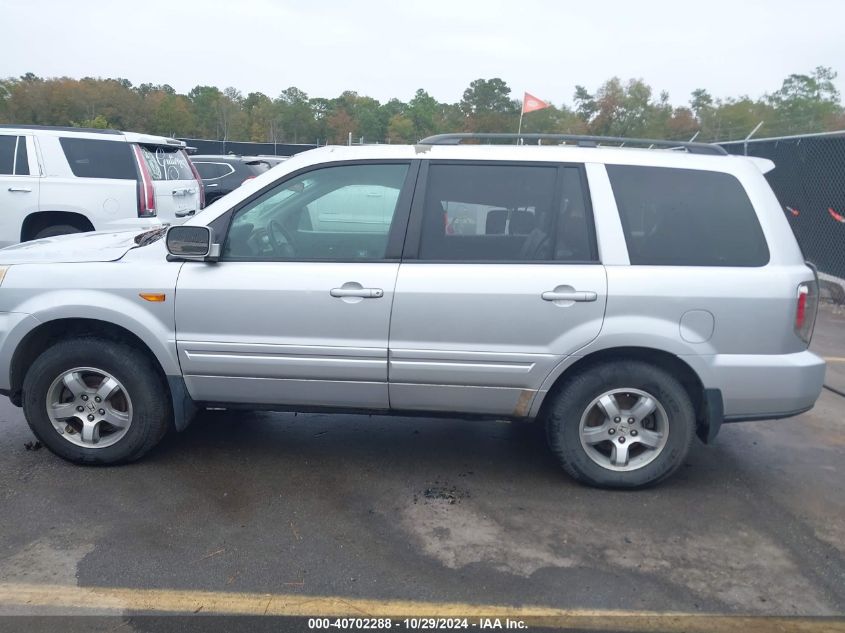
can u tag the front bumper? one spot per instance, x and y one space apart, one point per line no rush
762 386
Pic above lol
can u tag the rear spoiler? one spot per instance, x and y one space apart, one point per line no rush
763 164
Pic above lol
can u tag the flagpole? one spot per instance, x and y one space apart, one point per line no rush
521 113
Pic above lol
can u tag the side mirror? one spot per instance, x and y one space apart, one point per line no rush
192 243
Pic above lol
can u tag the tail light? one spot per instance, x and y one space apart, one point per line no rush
146 193
198 179
806 309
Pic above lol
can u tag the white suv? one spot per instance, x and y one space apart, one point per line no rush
56 180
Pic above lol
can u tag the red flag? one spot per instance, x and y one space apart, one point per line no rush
531 103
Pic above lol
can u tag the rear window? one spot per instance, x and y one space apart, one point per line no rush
686 217
89 158
210 171
167 163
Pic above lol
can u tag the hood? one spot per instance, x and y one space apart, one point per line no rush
97 246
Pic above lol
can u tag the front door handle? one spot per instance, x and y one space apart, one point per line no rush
573 295
364 293
21 189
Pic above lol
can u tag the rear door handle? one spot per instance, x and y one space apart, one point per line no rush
365 293
574 295
21 189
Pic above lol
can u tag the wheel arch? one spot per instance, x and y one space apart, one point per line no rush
46 333
707 404
35 222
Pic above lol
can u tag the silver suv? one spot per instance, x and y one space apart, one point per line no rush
631 299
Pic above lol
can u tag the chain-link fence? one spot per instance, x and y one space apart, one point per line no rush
809 181
244 148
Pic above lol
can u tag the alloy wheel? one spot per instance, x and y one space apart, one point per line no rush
624 429
89 407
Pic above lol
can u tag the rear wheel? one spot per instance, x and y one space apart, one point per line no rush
93 401
622 424
56 229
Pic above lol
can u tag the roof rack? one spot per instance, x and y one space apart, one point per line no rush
455 138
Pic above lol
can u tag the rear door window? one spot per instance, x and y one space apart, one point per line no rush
505 213
7 154
167 163
686 217
91 158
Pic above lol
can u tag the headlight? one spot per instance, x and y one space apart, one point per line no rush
3 270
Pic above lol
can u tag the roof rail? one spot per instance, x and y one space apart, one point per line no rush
582 141
59 128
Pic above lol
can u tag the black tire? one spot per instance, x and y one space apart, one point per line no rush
149 393
57 229
571 402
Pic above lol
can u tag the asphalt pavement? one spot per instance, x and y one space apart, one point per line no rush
368 511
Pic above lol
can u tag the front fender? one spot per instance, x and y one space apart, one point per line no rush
14 326
150 322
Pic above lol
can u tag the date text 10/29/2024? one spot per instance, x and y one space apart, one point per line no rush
430 624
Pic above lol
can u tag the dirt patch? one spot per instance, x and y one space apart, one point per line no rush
443 492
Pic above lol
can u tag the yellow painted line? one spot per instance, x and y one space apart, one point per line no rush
834 359
163 601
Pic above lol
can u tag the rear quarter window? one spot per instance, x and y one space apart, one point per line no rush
90 158
686 217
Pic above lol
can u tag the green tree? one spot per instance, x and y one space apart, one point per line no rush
484 96
261 114
424 112
700 100
99 122
339 125
296 115
204 104
585 104
805 102
400 129
487 106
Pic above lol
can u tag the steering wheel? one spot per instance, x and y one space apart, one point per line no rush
280 238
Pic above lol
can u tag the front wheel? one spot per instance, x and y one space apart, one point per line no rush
94 401
622 424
